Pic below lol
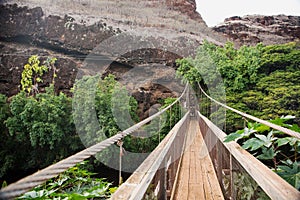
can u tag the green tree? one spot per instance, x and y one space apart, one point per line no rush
42 125
259 80
6 144
36 130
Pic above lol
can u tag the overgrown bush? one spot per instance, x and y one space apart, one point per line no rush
260 80
75 183
37 129
274 148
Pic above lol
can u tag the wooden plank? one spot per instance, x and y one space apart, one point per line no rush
184 174
182 191
198 185
186 160
210 181
192 166
196 192
190 139
206 183
213 180
144 175
198 189
193 135
177 176
122 192
199 170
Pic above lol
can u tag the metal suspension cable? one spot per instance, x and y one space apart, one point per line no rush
274 126
20 187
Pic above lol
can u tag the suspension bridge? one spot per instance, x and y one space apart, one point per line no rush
191 162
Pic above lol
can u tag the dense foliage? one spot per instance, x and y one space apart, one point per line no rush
75 183
277 150
116 111
38 129
263 81
107 110
260 80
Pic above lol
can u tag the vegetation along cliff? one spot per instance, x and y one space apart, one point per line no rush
134 45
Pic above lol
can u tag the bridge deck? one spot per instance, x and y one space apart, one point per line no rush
197 178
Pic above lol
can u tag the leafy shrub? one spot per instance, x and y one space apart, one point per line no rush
115 111
260 80
279 152
75 183
39 126
36 130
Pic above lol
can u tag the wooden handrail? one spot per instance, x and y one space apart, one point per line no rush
137 184
272 184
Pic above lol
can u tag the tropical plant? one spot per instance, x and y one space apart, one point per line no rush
35 130
278 151
75 183
39 126
259 80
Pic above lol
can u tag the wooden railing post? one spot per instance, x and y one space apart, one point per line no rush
152 176
163 177
219 163
232 187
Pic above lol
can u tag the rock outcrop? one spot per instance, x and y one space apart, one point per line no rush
132 39
252 29
137 40
186 7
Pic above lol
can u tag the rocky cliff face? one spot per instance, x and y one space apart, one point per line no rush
186 7
252 29
138 41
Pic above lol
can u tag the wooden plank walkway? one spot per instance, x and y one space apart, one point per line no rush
197 178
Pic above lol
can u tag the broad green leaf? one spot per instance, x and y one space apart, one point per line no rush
268 140
288 117
290 173
267 154
287 162
293 141
253 144
283 141
113 189
262 128
248 132
232 137
262 137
